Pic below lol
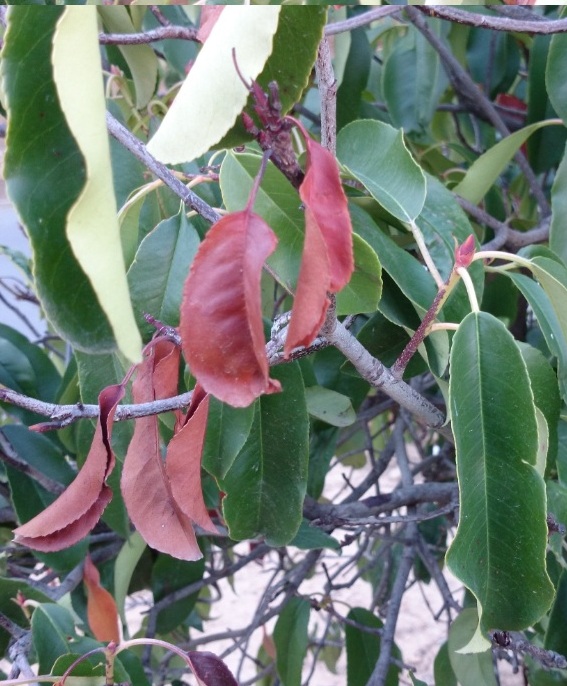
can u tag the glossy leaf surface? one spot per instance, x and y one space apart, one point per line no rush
266 484
45 174
221 319
499 547
375 154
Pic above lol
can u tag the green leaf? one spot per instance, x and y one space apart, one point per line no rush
213 95
471 669
291 640
126 562
92 225
329 406
363 649
549 322
499 549
557 233
9 589
311 538
415 681
442 670
556 634
161 265
376 155
554 74
227 430
355 77
487 168
413 80
45 174
141 59
170 575
277 202
266 484
363 291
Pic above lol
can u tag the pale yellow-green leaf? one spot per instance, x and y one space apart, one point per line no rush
92 224
141 59
212 95
542 442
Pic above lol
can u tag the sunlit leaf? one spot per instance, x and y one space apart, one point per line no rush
213 95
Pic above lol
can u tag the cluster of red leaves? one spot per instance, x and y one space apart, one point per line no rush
221 314
163 497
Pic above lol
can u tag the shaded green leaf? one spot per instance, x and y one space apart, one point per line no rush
227 430
266 484
329 406
9 589
311 538
376 155
555 73
442 670
170 575
471 669
355 77
499 548
291 640
363 291
159 269
557 233
45 174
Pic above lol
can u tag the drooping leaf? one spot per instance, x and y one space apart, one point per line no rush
101 608
213 95
221 319
80 506
327 261
159 269
502 564
209 669
265 486
375 154
488 167
291 640
92 226
45 174
183 462
141 59
146 488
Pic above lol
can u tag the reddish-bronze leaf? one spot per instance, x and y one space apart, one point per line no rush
183 463
209 16
209 669
79 507
327 262
145 485
102 613
221 318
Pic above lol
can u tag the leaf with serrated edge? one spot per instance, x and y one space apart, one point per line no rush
213 95
92 225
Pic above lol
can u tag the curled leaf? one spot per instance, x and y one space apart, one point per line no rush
221 318
102 613
80 506
146 488
327 262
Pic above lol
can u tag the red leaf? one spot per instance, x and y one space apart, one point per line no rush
79 507
183 463
209 16
101 608
221 317
210 670
145 486
327 262
464 253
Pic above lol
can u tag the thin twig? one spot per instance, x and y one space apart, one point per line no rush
161 33
139 150
473 98
361 20
485 21
327 85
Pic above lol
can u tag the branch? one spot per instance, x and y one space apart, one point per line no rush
516 641
361 20
161 33
473 98
63 415
484 21
327 84
139 150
